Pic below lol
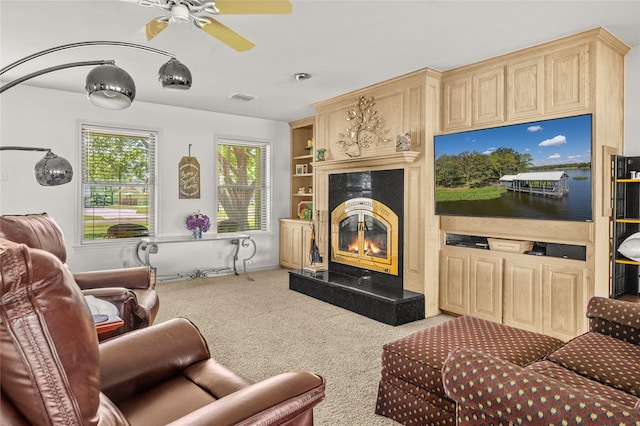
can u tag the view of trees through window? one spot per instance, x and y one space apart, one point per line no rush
117 183
242 189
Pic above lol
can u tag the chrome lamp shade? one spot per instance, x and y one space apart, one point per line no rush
107 85
110 87
174 75
53 170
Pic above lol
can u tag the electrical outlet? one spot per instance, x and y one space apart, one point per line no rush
4 175
125 264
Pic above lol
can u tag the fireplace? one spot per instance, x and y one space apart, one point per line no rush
366 216
364 235
365 240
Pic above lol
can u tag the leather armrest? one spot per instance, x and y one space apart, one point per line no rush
140 277
275 400
139 360
509 393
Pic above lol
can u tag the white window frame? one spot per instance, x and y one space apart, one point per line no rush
153 135
266 186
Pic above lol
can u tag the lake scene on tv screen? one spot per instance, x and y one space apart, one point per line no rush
537 170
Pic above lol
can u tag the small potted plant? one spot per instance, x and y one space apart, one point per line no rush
198 223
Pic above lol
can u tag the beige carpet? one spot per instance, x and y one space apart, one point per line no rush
261 328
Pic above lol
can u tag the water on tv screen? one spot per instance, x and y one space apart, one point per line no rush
538 170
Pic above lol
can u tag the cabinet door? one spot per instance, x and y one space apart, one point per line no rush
523 294
457 103
485 287
290 245
567 79
286 254
488 97
454 282
563 302
525 89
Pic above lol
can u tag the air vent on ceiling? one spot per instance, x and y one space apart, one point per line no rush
243 97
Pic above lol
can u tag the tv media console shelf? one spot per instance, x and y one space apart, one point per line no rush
149 245
546 294
540 248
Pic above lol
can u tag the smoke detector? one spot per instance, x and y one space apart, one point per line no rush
243 97
300 76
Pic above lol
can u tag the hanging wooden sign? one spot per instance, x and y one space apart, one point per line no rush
189 178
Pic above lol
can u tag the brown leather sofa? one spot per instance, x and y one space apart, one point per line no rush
131 290
54 371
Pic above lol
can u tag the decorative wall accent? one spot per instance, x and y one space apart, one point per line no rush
189 177
366 128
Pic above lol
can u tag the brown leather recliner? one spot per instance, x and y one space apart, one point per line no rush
131 290
54 371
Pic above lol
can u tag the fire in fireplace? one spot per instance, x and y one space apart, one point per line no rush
364 235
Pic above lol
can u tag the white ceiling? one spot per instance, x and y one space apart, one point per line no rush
345 45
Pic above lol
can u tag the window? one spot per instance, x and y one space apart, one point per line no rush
118 183
243 189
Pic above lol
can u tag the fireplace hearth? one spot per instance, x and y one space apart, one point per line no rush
386 304
365 235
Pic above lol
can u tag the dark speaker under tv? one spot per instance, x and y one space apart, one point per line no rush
537 170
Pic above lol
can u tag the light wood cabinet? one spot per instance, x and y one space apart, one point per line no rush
487 96
456 96
566 76
485 287
525 89
295 243
523 294
454 281
473 99
542 294
536 84
563 301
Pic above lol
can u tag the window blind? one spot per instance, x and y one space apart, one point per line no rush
243 186
118 182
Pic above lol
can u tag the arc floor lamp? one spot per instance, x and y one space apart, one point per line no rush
107 86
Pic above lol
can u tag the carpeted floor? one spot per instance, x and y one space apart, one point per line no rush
261 328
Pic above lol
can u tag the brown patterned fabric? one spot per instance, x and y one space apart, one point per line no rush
417 359
602 358
408 404
505 393
568 377
619 320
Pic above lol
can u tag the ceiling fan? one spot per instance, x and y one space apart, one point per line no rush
200 12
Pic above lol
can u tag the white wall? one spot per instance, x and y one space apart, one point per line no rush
632 103
48 118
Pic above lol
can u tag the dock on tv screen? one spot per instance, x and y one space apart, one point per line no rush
537 170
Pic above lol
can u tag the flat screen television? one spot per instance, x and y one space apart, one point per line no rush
537 170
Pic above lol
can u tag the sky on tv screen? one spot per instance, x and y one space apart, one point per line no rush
558 141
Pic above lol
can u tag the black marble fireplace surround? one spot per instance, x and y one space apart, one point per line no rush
376 295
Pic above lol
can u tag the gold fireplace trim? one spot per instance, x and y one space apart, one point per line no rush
379 211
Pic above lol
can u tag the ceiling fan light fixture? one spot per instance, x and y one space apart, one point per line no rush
110 87
179 14
174 75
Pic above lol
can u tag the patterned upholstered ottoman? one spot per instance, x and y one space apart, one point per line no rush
410 390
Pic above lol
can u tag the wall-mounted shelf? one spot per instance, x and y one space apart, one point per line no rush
626 221
302 136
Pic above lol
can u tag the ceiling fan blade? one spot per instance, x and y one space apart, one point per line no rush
254 7
154 27
226 35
